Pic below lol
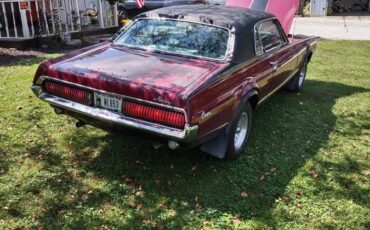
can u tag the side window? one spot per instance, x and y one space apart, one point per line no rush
268 37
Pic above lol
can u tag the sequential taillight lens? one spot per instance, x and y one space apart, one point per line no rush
153 114
68 92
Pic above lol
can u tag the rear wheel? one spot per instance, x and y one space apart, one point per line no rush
297 82
239 132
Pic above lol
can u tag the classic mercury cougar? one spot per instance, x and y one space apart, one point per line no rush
189 75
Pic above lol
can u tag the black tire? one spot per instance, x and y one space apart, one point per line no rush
235 148
297 81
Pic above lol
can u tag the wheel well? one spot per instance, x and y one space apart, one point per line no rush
254 101
309 56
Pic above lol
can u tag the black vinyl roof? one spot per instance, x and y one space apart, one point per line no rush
240 21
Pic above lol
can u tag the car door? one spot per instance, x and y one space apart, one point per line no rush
275 46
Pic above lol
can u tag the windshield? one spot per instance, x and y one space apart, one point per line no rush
179 37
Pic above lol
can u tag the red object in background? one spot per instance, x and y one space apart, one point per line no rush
140 3
23 5
284 10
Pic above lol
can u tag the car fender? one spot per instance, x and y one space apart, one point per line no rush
217 147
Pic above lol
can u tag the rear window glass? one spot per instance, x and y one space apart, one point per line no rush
178 37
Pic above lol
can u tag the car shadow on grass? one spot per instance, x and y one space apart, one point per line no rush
186 185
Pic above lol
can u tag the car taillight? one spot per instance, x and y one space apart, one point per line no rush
68 92
153 114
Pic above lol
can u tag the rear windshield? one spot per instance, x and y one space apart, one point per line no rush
178 37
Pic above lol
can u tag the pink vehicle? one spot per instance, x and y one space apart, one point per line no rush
189 75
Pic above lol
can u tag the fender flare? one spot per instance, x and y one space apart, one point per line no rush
217 147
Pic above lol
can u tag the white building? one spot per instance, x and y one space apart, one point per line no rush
26 19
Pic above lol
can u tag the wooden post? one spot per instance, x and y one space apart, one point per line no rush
14 25
23 14
101 21
45 18
115 14
5 20
52 15
31 19
79 26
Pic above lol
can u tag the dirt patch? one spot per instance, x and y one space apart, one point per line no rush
9 55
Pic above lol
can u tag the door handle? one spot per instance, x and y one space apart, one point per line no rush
274 64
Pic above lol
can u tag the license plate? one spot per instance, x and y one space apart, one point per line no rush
108 102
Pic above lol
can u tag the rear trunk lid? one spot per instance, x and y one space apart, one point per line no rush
134 73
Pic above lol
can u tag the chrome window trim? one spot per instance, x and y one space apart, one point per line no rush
282 35
41 79
230 41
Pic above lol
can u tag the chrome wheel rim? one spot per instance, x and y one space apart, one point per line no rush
241 131
302 74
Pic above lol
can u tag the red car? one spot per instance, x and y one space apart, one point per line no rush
191 75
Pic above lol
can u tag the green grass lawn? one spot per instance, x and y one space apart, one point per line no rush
307 164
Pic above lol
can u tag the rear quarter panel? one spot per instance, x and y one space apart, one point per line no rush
213 106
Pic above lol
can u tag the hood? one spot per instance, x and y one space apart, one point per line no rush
284 10
135 73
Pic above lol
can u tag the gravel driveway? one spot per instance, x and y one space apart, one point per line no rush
334 27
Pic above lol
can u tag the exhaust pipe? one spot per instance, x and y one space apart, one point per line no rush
79 124
173 145
58 111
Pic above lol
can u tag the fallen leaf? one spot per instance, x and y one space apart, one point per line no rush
285 198
298 194
206 222
133 185
127 179
366 172
198 209
235 219
262 178
244 194
194 168
147 222
298 205
139 205
196 199
35 191
131 203
139 194
152 223
314 173
273 170
139 162
164 204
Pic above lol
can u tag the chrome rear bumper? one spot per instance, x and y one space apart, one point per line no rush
187 135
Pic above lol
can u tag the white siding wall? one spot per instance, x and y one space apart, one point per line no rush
319 8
